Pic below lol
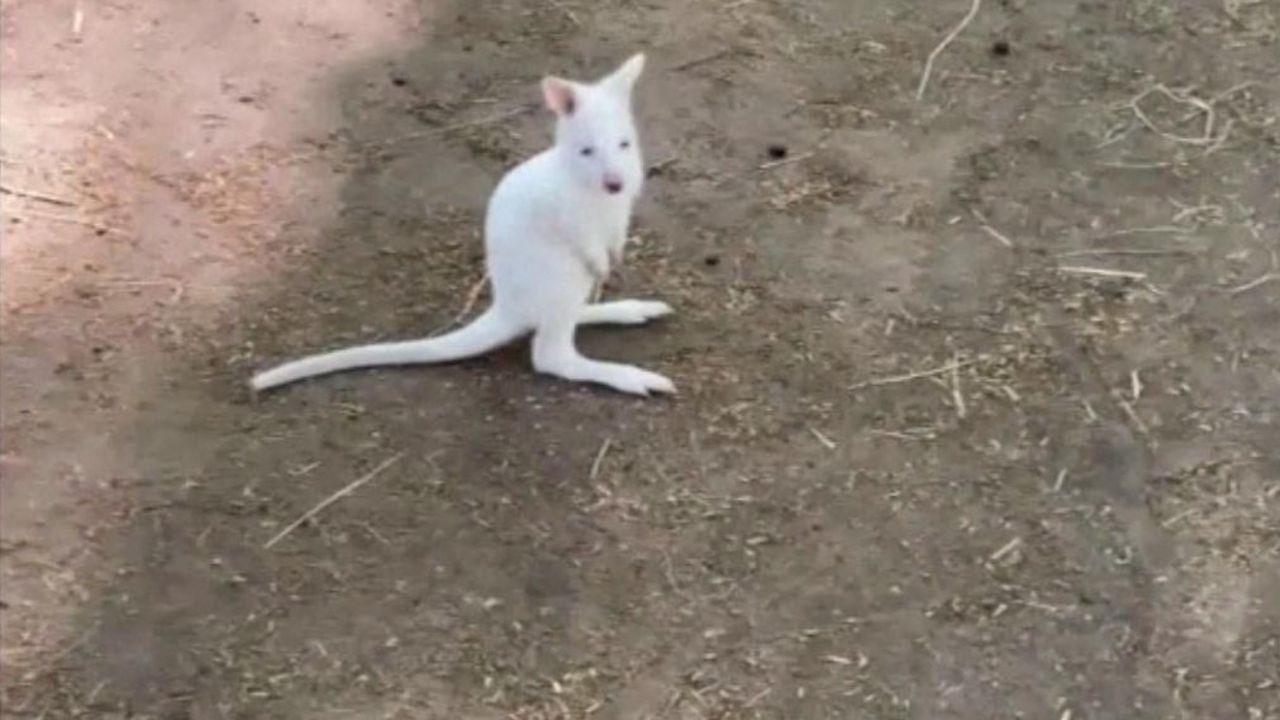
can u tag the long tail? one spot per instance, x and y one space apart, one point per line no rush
485 333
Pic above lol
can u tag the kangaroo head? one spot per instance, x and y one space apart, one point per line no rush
595 131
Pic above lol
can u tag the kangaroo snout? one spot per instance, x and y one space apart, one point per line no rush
612 183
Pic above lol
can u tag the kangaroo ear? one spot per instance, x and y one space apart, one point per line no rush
624 78
559 95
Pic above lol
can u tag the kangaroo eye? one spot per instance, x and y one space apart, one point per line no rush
624 144
588 151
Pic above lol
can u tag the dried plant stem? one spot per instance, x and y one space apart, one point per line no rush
333 498
928 64
949 367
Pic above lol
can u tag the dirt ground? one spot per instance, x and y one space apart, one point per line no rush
980 393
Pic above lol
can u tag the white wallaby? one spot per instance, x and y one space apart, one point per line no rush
555 227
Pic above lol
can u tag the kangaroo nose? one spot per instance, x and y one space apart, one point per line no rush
613 184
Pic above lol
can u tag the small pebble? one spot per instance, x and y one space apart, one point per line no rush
711 260
398 81
1000 48
777 151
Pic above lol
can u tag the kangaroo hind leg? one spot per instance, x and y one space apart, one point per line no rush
554 353
623 312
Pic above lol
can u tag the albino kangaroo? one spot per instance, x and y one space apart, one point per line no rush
555 226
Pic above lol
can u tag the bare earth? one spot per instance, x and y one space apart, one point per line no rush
980 394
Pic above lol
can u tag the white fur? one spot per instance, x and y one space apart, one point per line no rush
553 231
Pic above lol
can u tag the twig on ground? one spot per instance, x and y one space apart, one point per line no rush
1274 274
986 227
96 227
1169 522
1198 106
1136 165
954 365
1102 272
1134 252
997 235
827 442
1227 93
901 435
787 161
1152 229
957 396
1207 137
33 195
703 59
928 64
333 498
1269 277
1127 407
177 288
1005 549
595 464
478 122
754 699
473 296
1115 135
